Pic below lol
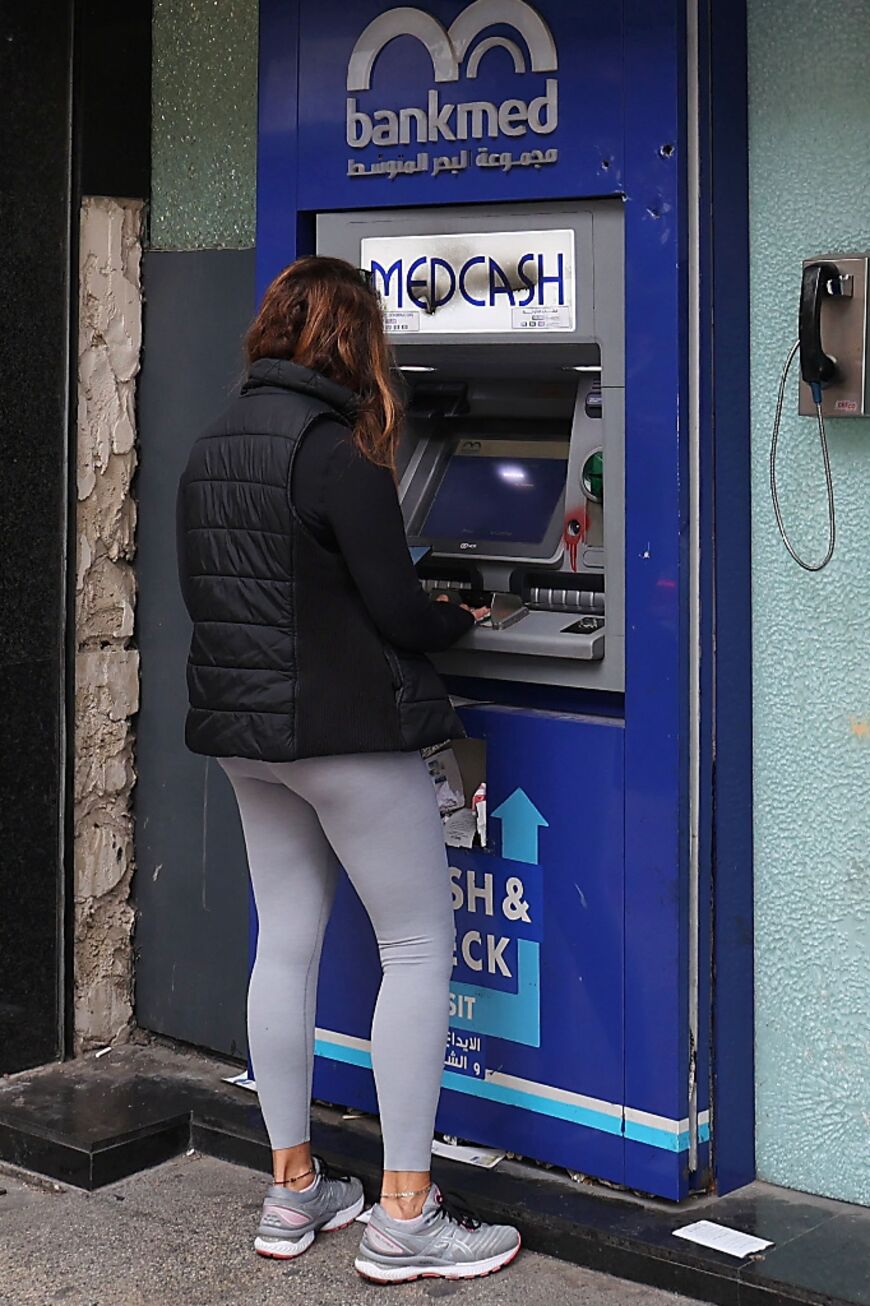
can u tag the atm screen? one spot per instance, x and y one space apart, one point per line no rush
498 491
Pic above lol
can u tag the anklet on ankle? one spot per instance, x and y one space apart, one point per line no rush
296 1177
415 1192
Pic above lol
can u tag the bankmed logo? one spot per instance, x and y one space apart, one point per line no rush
455 52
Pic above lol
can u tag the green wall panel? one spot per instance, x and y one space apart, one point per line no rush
809 170
204 134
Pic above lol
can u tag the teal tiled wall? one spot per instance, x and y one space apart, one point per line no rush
204 135
810 194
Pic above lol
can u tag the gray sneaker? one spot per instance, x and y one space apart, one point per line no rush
445 1242
291 1219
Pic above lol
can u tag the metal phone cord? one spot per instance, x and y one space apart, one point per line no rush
829 484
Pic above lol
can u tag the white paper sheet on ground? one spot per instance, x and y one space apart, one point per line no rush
721 1238
483 1156
241 1081
460 828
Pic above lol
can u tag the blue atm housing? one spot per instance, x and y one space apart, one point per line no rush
586 1028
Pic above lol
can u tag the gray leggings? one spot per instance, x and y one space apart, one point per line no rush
376 814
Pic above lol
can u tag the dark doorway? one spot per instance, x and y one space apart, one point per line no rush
35 187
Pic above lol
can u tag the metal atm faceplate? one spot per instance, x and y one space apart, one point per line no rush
509 342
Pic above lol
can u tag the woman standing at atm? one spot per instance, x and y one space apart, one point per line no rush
307 679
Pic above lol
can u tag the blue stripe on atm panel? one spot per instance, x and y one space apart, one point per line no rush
578 1115
666 1139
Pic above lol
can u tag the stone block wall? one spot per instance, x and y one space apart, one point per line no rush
107 663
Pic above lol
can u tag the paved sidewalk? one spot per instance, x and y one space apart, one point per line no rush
180 1235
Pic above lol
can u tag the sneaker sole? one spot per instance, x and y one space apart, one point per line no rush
376 1273
286 1249
283 1249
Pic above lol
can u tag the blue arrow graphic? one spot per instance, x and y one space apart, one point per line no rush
520 822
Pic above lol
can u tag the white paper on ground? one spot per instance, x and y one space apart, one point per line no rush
486 1157
718 1236
241 1081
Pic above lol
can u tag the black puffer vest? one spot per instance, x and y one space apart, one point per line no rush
285 661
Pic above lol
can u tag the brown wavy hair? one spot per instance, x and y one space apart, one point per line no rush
319 312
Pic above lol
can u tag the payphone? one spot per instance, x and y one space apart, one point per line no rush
833 345
508 332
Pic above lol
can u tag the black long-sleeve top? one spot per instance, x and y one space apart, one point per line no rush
351 505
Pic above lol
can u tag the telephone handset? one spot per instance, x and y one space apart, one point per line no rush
817 367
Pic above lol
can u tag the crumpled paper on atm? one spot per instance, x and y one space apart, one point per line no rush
447 779
460 828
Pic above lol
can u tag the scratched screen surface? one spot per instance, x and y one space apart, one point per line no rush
510 499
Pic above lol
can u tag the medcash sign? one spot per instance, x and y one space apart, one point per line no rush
456 53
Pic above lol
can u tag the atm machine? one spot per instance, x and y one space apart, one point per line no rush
508 332
529 187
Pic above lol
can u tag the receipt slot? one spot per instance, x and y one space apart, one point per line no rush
508 333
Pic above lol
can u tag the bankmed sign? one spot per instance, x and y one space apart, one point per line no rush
451 114
479 282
